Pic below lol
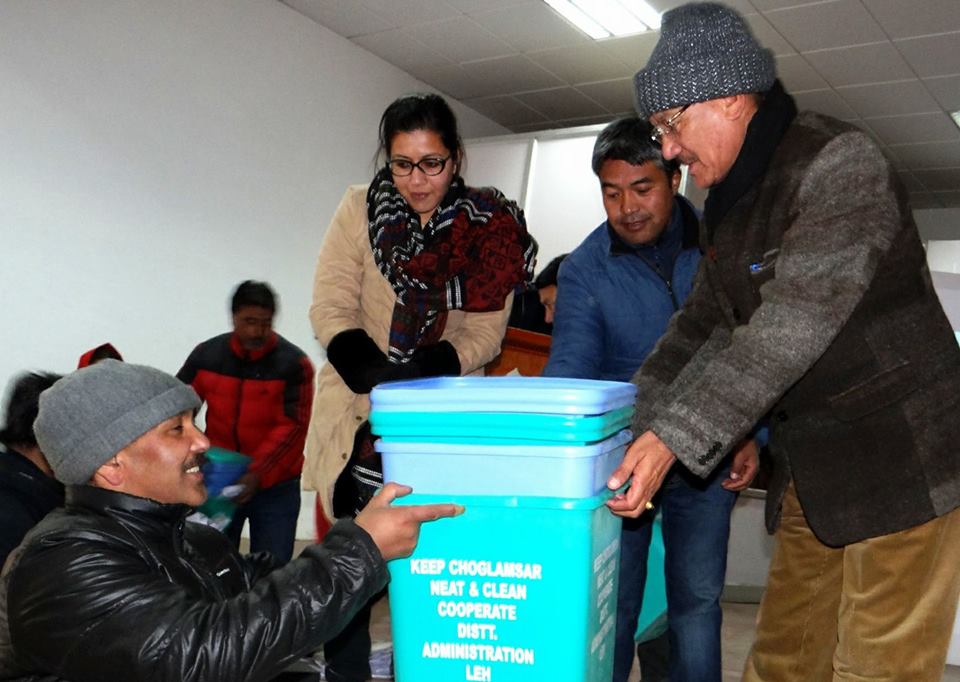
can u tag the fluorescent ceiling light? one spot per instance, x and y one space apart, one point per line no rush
607 18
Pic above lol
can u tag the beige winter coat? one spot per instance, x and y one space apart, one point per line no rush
349 292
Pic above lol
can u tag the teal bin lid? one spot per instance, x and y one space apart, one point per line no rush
499 427
546 395
512 501
519 450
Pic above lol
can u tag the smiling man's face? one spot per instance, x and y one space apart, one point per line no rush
638 199
164 463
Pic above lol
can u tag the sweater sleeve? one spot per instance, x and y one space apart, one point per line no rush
477 341
127 620
338 278
577 345
846 219
693 335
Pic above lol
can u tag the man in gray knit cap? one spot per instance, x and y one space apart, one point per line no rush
813 306
118 586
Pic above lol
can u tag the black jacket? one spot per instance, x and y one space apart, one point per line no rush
26 496
118 587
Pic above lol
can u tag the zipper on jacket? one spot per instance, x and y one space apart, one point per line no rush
669 283
673 294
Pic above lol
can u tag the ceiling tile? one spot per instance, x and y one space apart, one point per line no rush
531 27
945 90
940 180
889 99
892 156
742 6
764 5
460 39
507 75
453 80
507 111
924 200
825 102
581 64
797 74
634 51
411 12
561 103
948 199
347 19
825 25
768 36
903 18
932 55
862 64
914 128
471 7
615 95
910 182
929 155
400 49
603 119
534 127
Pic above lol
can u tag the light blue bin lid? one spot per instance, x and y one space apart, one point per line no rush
552 451
553 395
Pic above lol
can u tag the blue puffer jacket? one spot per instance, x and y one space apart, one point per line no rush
613 304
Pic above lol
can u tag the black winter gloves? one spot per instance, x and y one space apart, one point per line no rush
437 359
362 365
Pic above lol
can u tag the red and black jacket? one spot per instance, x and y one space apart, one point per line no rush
258 401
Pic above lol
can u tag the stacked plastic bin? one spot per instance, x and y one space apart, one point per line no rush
522 586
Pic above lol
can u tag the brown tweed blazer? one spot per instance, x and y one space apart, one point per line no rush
814 306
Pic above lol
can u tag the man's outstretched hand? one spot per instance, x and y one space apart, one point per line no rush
395 530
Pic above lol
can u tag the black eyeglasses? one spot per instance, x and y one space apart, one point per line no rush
432 165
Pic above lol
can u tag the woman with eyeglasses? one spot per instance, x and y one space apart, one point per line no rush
414 279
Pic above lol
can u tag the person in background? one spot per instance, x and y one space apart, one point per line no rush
104 351
117 585
258 388
533 306
28 491
414 279
617 292
814 304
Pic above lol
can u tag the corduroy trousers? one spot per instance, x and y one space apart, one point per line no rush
880 610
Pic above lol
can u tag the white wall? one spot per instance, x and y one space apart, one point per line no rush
154 154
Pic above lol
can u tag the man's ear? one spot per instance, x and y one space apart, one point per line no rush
737 106
111 473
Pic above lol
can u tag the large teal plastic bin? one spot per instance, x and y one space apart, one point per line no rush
517 589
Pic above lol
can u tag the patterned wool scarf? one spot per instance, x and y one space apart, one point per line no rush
470 255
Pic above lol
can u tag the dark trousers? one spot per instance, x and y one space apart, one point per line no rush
696 527
273 519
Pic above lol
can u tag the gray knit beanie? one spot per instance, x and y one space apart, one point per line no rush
89 416
705 51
